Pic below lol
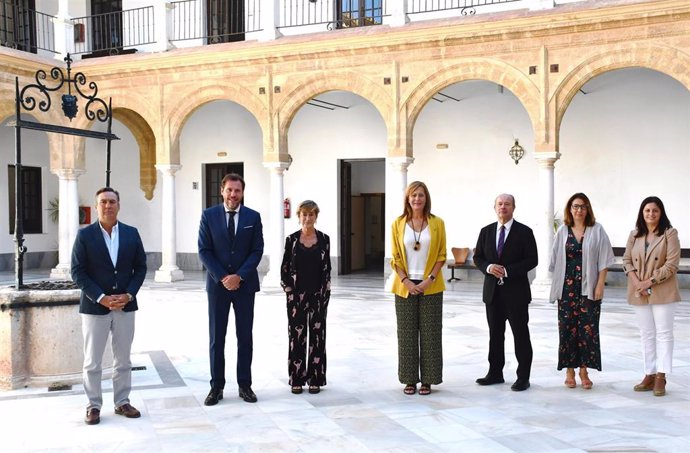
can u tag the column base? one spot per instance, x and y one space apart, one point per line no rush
168 275
61 272
271 279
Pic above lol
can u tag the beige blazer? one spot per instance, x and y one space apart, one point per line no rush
660 262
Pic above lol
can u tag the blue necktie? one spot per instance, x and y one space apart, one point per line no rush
231 225
501 240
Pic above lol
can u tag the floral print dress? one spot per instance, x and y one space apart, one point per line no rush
578 317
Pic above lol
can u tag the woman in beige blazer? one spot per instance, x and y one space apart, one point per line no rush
651 260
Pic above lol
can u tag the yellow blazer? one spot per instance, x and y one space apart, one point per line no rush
661 262
437 252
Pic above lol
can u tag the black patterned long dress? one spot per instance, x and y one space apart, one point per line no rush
578 317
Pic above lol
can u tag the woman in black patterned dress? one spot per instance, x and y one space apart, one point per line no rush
305 276
580 259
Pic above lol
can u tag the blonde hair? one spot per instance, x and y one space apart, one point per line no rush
308 205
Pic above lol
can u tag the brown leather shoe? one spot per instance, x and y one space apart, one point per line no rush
128 411
93 416
660 384
646 385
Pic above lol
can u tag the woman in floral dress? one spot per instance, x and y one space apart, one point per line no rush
580 259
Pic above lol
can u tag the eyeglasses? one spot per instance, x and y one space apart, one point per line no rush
579 207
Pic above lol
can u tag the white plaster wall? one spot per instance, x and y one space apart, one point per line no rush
317 139
215 127
135 209
34 154
628 138
465 178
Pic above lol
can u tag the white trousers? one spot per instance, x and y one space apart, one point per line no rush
96 329
656 329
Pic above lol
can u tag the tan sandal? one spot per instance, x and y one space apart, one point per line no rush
570 378
646 385
586 382
659 384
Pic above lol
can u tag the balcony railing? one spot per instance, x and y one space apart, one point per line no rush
223 21
114 33
25 29
332 13
467 7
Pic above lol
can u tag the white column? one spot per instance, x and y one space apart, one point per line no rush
269 20
162 19
63 31
397 11
544 228
274 226
396 183
168 272
536 5
68 220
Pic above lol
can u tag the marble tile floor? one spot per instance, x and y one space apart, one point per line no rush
362 409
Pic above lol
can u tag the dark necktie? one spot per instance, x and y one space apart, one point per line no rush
501 241
231 224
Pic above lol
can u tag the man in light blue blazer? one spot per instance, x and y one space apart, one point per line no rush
109 265
231 245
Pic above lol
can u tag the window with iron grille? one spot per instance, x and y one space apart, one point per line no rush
18 24
359 13
32 199
225 20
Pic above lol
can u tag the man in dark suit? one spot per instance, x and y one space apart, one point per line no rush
230 247
506 251
109 266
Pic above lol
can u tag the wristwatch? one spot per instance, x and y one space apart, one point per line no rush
431 276
130 298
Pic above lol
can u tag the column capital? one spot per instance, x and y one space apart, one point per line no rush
68 173
277 167
401 163
170 169
547 158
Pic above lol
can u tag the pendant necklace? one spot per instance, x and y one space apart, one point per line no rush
417 245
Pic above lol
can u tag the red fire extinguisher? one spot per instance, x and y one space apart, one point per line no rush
286 208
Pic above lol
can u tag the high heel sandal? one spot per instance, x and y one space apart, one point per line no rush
410 389
586 382
425 389
570 378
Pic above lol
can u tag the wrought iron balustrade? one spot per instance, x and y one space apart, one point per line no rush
467 7
25 29
215 21
332 13
113 33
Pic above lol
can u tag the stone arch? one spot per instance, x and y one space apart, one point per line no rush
146 140
666 60
350 81
472 69
195 98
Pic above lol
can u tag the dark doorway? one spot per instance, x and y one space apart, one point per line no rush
362 215
225 20
107 27
213 175
18 24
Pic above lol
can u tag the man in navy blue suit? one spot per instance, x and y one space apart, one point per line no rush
109 265
231 245
506 251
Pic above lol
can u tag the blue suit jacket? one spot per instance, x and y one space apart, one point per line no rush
94 273
222 258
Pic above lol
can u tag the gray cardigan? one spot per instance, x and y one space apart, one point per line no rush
597 255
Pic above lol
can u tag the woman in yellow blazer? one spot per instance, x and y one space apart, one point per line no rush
419 253
651 260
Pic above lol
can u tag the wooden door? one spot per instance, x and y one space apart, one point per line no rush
358 255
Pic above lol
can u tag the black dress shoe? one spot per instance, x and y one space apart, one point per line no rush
93 416
213 397
490 380
520 385
247 395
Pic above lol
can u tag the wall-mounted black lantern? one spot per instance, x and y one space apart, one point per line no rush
516 152
38 95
